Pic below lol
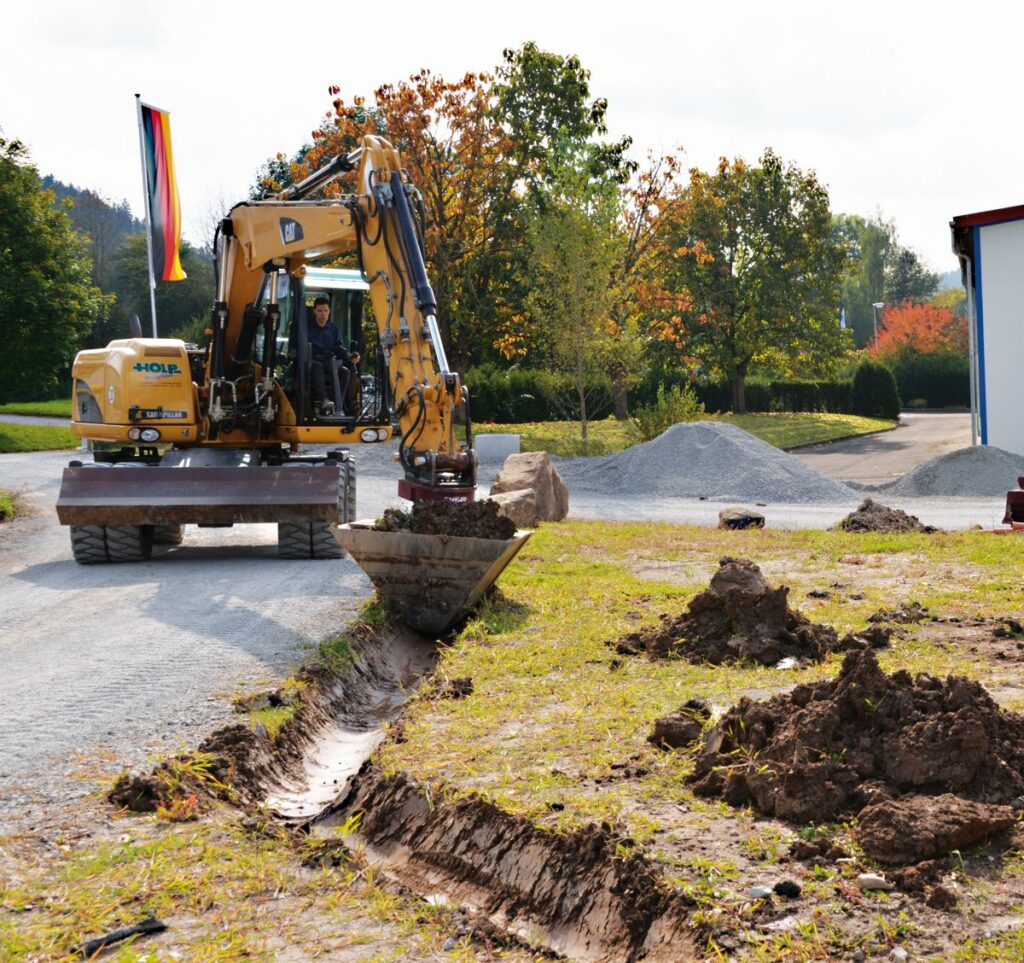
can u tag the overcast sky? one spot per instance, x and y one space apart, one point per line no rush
910 109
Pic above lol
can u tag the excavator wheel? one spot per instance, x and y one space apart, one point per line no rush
168 534
96 544
307 540
89 544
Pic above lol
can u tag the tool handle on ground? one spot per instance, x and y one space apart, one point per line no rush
147 926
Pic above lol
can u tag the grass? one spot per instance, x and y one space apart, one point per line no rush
784 430
14 437
57 408
554 712
6 505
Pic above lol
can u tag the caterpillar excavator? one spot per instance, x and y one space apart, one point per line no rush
209 436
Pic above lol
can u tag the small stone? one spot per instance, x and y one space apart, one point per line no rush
787 888
759 892
899 954
858 956
450 944
868 881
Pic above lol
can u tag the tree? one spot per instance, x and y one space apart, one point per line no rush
912 328
880 269
753 270
47 301
576 247
182 307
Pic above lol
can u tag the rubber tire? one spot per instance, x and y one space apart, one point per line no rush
89 544
168 534
347 495
307 540
129 543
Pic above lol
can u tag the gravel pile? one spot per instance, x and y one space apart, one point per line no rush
978 470
705 459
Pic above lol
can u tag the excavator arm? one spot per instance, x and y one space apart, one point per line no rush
261 239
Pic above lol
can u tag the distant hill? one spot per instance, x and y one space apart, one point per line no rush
107 224
951 279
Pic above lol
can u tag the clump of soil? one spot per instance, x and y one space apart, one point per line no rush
904 614
681 728
827 750
872 517
459 688
461 519
138 794
739 617
924 827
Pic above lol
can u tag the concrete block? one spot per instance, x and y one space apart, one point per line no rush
495 448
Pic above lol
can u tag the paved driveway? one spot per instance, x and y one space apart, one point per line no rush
881 458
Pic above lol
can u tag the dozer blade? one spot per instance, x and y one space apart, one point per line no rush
156 495
430 580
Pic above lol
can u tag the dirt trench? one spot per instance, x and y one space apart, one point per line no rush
563 893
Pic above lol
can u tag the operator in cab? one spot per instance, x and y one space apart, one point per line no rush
334 379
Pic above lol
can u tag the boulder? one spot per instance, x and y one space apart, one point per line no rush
534 470
520 506
740 518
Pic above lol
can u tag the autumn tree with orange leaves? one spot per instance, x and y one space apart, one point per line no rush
911 328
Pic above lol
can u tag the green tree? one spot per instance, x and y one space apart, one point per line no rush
880 270
753 269
47 301
576 246
179 304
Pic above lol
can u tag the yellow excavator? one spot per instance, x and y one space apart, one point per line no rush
210 436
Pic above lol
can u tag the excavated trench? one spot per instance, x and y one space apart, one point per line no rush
569 894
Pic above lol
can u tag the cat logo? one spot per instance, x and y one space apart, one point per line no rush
291 231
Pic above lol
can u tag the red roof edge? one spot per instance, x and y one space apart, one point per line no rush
990 217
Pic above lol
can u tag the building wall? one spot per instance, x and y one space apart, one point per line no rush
999 274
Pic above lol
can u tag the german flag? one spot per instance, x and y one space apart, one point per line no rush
164 207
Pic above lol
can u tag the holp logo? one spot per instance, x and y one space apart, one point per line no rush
156 368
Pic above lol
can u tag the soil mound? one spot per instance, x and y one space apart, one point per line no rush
978 470
739 617
828 749
705 459
872 517
462 519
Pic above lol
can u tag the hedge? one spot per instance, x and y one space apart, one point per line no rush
933 380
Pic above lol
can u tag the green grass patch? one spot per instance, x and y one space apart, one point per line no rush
57 408
6 505
784 430
15 437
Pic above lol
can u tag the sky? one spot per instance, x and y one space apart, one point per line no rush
906 109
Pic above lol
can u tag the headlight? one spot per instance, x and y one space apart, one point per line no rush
133 434
150 434
382 434
368 434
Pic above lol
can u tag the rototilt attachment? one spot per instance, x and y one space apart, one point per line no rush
431 581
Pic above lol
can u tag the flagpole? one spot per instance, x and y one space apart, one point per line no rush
149 223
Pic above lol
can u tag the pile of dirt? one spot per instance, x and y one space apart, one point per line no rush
827 750
739 617
873 517
978 470
461 519
705 459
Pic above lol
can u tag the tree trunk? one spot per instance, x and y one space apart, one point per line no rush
581 388
620 399
738 385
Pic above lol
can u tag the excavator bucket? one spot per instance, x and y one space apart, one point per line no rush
130 495
431 581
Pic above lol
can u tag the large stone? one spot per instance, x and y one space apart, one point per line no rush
740 518
520 506
534 470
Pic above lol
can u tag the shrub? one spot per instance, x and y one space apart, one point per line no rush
874 391
669 408
942 379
